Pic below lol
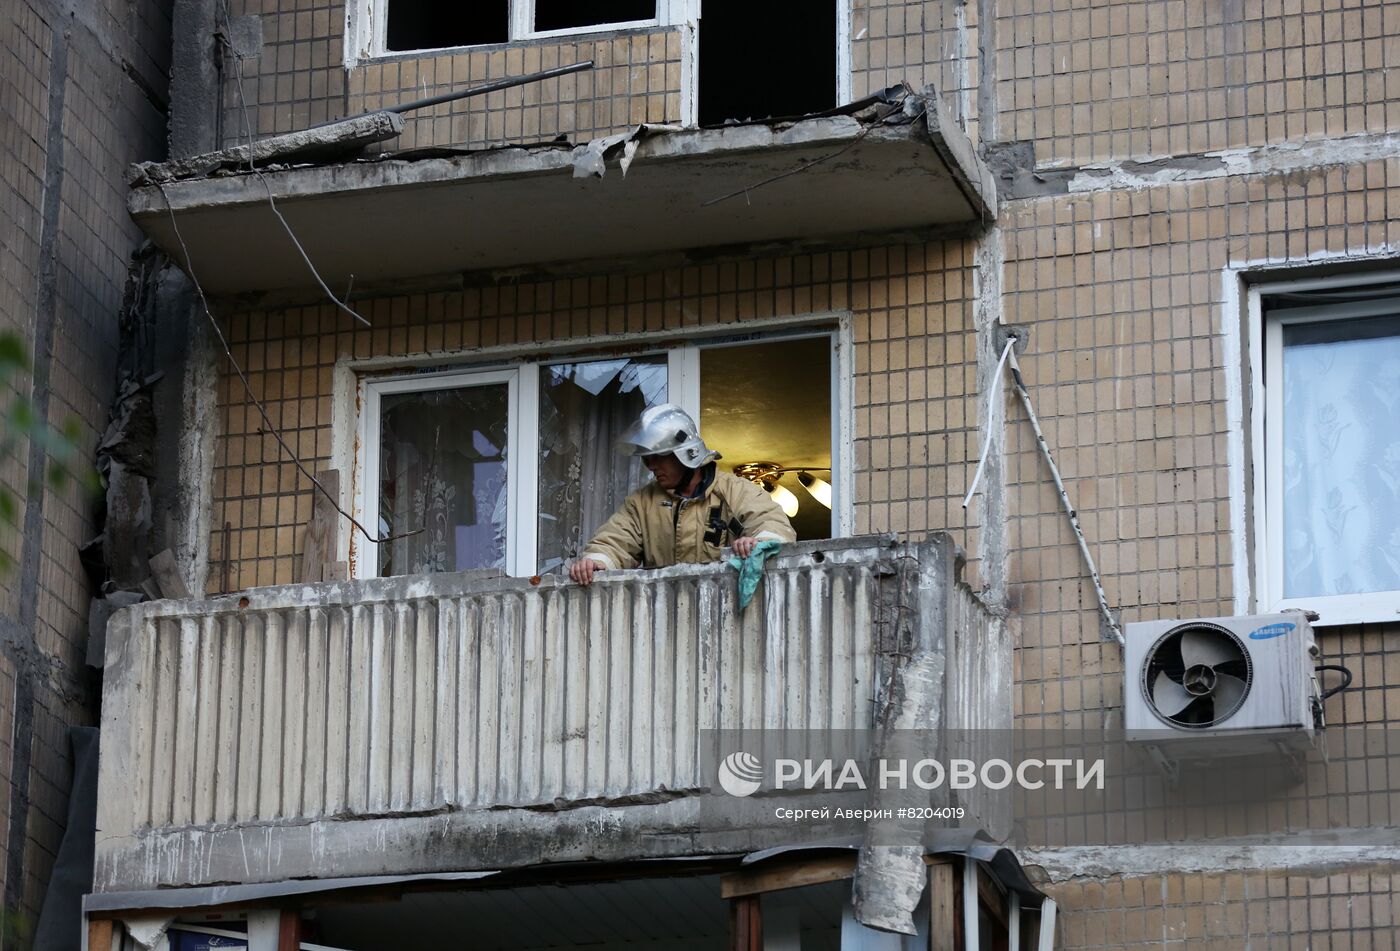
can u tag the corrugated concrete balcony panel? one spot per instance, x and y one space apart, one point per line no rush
456 721
394 219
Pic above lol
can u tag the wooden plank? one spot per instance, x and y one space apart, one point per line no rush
167 576
991 896
289 930
100 935
775 877
944 921
746 924
322 539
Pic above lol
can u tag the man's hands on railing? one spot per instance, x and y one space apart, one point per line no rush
583 568
743 547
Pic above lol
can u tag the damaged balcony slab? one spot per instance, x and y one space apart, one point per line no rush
450 722
391 218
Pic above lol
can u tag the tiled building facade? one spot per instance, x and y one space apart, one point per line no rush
1165 155
81 96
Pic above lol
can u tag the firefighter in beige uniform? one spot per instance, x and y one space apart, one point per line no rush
688 513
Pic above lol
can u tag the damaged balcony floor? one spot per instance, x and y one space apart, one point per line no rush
393 218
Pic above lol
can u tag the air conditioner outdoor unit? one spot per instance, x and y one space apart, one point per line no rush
1222 686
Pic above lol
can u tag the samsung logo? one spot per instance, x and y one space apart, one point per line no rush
1271 630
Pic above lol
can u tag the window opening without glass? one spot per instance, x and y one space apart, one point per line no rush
1330 493
770 402
761 60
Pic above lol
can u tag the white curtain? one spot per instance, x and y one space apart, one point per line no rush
1341 458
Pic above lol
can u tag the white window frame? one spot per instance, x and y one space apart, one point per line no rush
366 27
1265 363
522 446
521 431
366 23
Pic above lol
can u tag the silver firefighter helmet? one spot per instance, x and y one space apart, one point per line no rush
666 429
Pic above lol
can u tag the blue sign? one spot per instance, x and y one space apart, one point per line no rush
195 941
1271 630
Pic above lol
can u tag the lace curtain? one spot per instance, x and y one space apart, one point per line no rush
443 476
584 407
1341 457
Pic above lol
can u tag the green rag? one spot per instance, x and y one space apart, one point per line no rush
751 569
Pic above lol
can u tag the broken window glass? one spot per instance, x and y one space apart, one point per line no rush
442 475
568 14
584 407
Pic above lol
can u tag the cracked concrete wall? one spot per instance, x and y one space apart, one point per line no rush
82 91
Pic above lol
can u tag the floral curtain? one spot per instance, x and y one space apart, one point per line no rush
443 478
1341 457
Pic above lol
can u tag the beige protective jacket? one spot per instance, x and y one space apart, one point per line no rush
654 528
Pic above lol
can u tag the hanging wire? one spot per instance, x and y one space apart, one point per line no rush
248 387
224 38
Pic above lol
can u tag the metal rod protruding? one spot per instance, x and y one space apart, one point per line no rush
490 87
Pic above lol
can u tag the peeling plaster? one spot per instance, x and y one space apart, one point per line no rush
1280 159
1318 853
1013 164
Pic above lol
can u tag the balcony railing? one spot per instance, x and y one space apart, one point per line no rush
340 727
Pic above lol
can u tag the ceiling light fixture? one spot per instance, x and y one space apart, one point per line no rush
767 475
819 489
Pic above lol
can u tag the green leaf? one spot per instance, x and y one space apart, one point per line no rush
12 353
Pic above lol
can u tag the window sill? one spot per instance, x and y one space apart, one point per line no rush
1346 610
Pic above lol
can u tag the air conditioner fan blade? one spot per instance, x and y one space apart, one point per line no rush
1199 648
1168 696
1227 695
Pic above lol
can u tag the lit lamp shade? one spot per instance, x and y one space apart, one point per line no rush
785 499
819 489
